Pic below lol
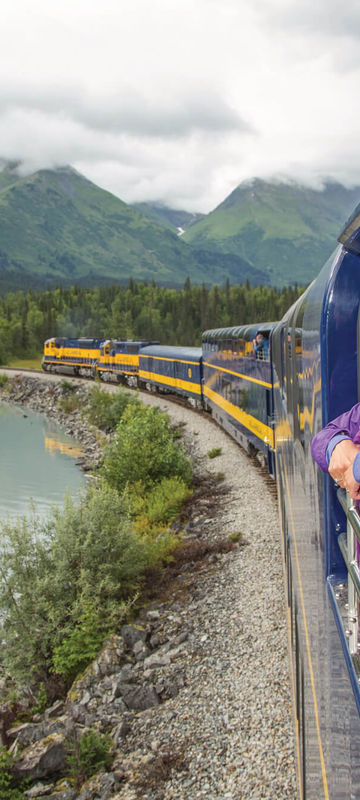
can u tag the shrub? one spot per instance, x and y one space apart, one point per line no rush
81 646
162 502
88 755
144 449
67 386
235 537
50 571
8 789
106 410
42 700
68 581
70 403
4 380
216 451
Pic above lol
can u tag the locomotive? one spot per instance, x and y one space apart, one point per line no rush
273 401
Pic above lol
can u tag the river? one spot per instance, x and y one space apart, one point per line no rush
37 462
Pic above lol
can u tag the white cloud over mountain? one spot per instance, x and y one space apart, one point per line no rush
180 101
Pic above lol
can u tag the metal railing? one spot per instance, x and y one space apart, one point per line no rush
349 543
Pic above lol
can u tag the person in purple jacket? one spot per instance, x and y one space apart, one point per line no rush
336 449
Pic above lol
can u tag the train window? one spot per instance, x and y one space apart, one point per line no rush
226 389
243 401
283 354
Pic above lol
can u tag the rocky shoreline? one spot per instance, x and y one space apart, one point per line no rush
195 692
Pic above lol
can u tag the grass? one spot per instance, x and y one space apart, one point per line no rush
216 451
235 537
26 363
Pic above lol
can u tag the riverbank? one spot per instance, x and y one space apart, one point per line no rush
210 650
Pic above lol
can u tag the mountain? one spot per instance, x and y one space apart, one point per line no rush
171 218
57 227
284 229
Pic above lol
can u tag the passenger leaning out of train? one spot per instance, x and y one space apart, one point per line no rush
261 346
336 449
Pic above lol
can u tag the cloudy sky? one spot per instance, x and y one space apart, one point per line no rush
180 100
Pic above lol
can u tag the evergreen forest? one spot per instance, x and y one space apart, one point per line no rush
135 311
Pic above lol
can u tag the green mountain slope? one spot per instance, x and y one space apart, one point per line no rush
57 227
284 229
171 218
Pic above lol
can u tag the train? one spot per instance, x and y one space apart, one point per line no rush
272 387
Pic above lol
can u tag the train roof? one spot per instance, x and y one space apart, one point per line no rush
140 342
239 331
350 236
168 351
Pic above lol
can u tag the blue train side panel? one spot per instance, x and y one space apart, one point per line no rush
238 385
315 350
175 369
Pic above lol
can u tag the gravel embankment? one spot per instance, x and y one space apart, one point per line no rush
228 734
233 720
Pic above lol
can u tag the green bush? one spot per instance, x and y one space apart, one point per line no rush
68 581
4 380
235 537
88 755
162 502
8 789
50 571
67 386
215 452
42 700
106 410
70 403
81 646
144 449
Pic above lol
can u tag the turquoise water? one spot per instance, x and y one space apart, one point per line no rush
37 462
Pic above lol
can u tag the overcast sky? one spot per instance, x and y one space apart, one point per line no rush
180 100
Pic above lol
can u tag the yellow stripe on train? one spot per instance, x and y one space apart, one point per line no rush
187 386
129 359
254 425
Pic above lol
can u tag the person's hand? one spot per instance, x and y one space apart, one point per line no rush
350 484
342 458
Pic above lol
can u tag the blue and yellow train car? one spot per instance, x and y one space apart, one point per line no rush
237 388
316 378
80 356
119 360
173 369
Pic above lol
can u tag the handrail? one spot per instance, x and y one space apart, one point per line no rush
350 563
351 512
349 545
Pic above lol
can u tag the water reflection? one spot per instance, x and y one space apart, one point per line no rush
37 461
55 445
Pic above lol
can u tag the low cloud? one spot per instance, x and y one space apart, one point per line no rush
128 112
330 19
179 102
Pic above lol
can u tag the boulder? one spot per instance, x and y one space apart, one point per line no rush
39 790
132 634
44 758
139 698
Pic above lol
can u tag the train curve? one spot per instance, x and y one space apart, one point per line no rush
237 694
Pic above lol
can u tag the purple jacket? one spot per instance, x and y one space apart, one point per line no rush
347 424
